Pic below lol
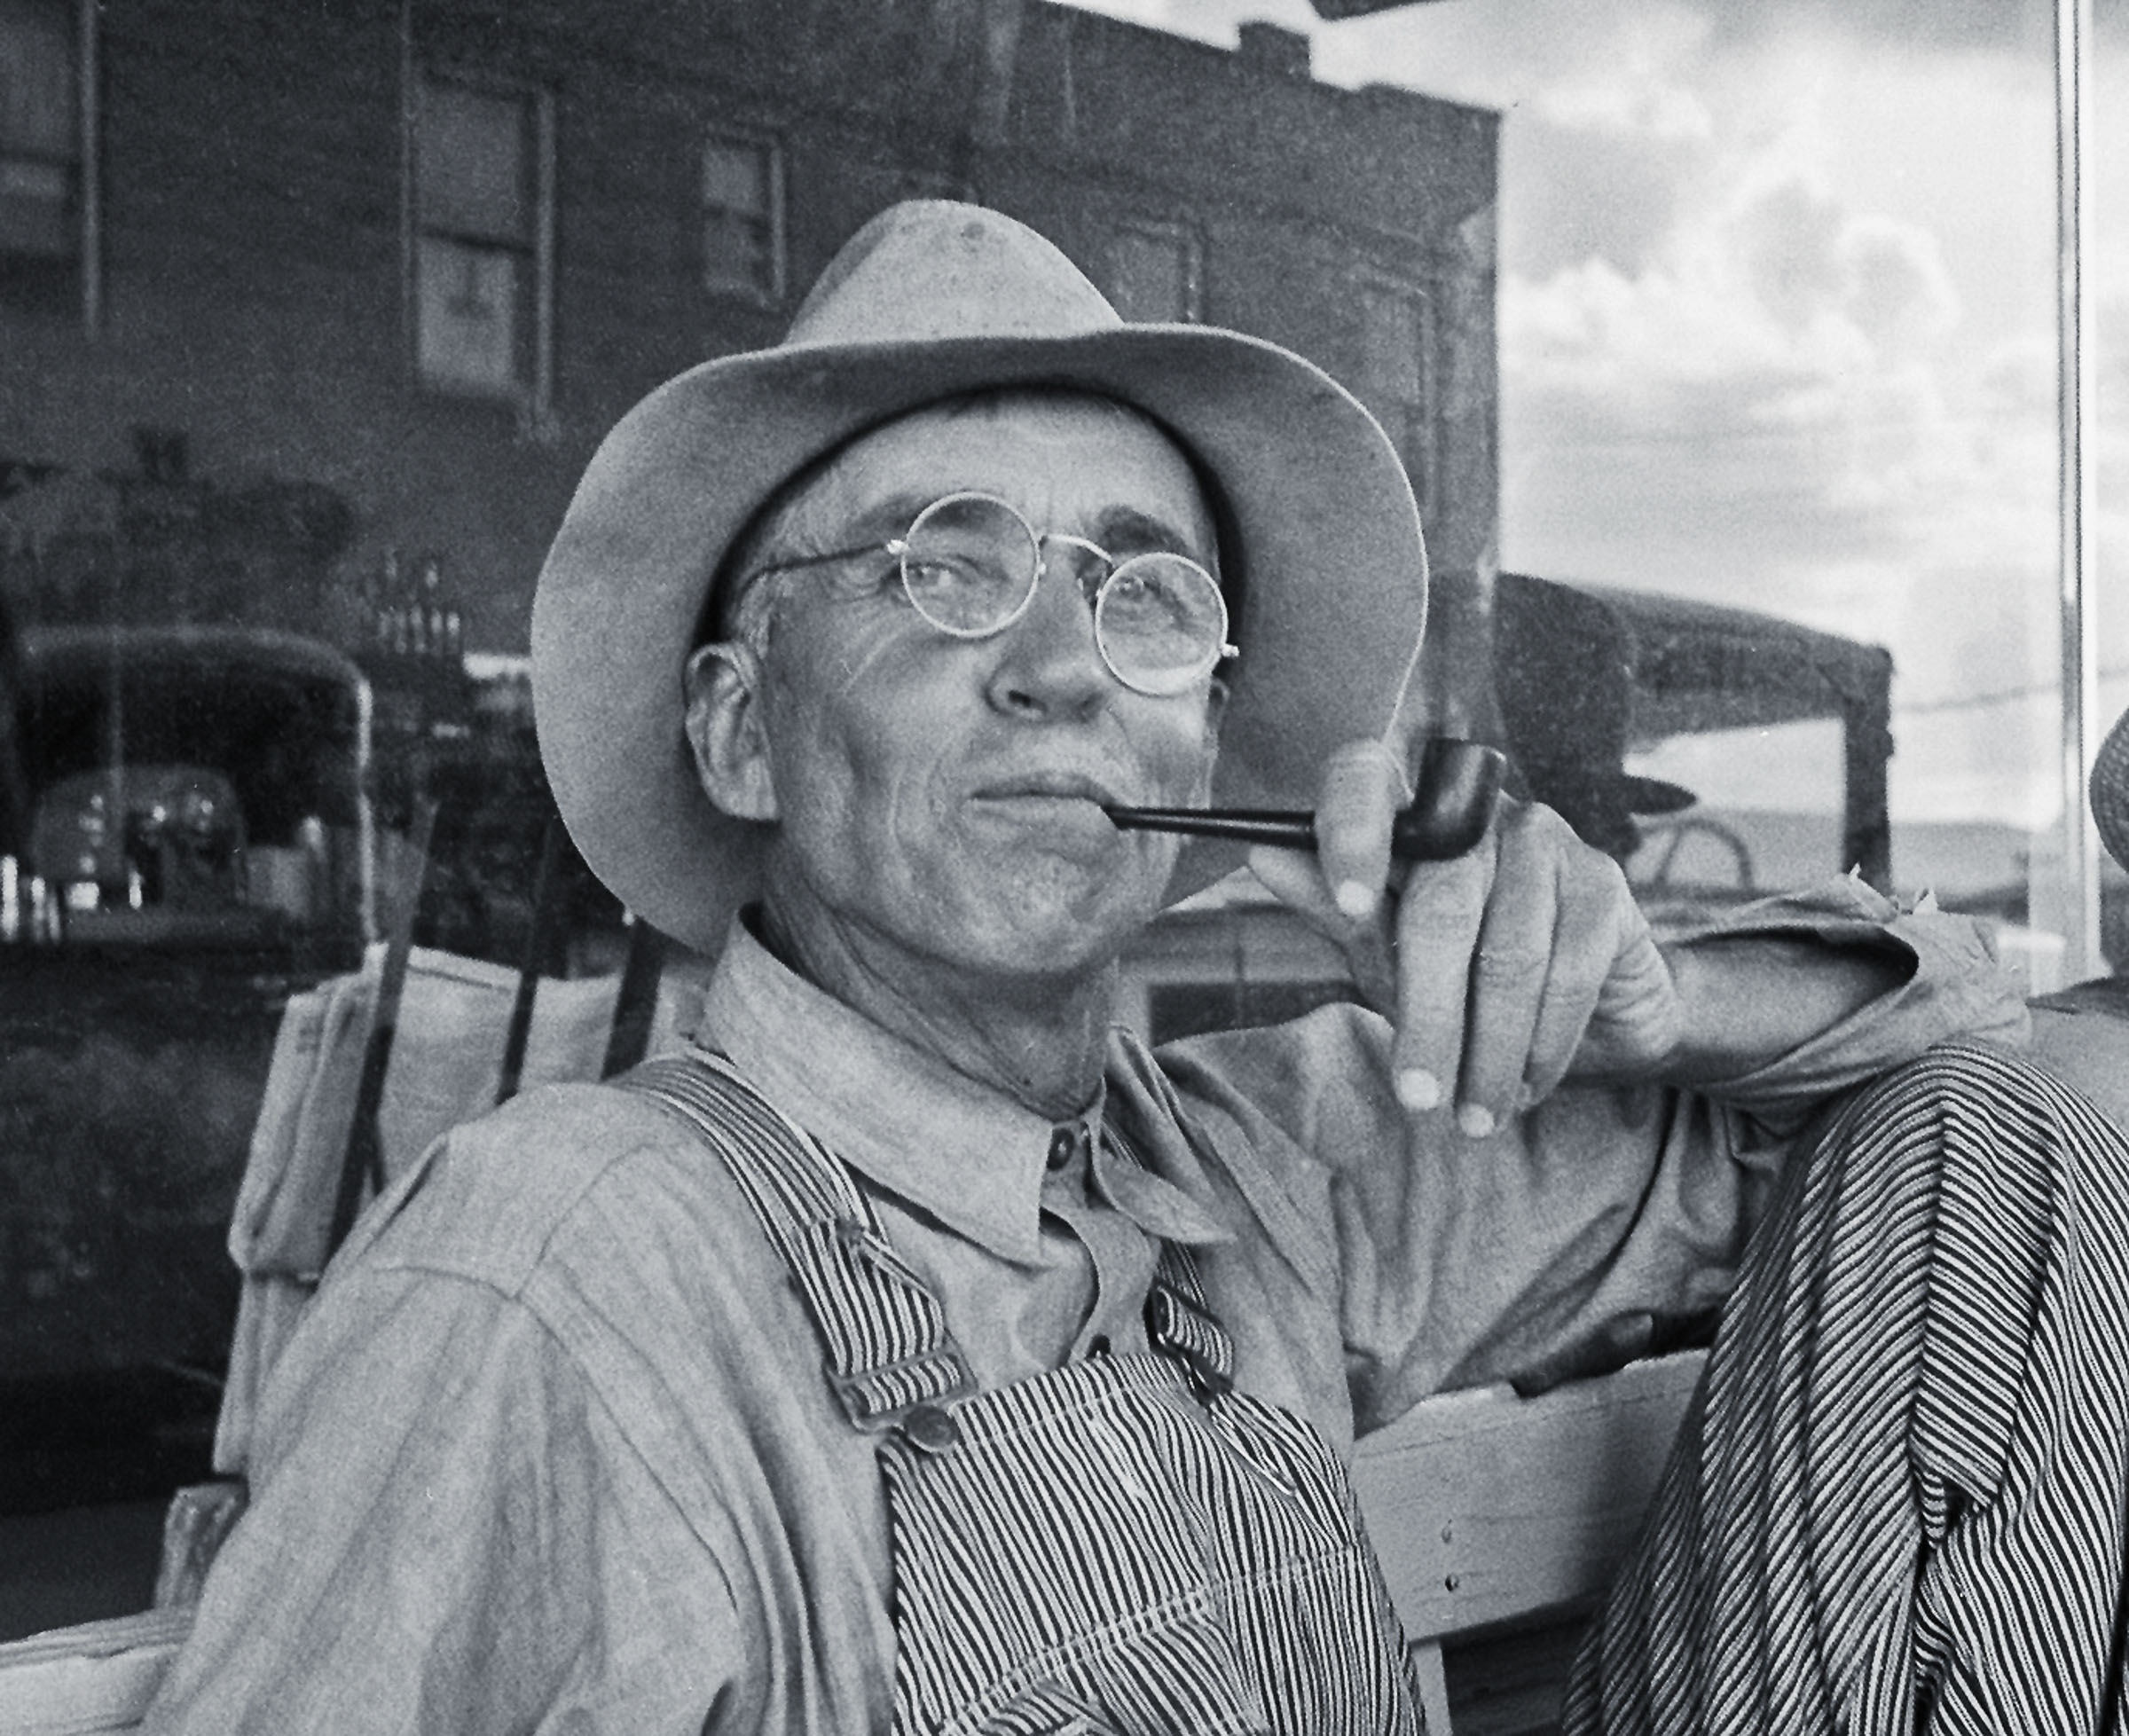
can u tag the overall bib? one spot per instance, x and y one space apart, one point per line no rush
1126 1545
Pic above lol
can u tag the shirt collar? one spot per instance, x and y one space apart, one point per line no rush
964 1153
1156 1206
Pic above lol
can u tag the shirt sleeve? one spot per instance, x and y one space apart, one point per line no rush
423 1552
1582 1231
1955 986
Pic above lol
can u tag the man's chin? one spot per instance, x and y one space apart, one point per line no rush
1038 938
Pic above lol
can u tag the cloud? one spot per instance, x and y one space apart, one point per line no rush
1777 304
1600 197
1786 407
1926 25
1823 385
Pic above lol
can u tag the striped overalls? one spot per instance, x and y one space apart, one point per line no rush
1903 1502
1125 1544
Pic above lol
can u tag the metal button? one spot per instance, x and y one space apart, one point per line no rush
932 1429
1063 1142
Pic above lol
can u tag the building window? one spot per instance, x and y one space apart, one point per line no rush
40 177
1154 271
742 217
1396 380
482 247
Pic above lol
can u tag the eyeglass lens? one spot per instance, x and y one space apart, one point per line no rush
971 563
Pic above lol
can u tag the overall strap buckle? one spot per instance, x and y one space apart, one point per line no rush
1183 1328
911 1398
889 1358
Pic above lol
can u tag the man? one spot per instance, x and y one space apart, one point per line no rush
918 1353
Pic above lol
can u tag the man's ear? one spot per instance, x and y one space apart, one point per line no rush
726 731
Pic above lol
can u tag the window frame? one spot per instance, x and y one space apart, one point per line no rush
1190 250
81 220
775 161
530 388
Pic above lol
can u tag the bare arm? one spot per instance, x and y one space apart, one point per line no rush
1748 1000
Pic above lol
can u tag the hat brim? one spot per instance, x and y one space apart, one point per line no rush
1322 516
1640 795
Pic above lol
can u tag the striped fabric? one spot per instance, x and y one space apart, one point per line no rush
1122 1546
1178 1322
885 1334
1904 1503
1102 1542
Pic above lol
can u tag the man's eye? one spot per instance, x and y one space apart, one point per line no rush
857 579
927 577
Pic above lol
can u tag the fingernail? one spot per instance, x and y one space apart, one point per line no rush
1355 898
1418 1090
1476 1120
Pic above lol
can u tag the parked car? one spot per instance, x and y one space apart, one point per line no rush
199 846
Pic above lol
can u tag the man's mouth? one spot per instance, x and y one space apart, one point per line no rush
1063 803
1049 787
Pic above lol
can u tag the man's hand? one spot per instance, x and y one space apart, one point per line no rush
1500 971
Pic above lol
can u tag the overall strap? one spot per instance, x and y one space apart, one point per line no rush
883 1333
1179 1323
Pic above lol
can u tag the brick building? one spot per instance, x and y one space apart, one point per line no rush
416 257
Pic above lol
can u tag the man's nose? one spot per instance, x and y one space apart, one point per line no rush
1049 660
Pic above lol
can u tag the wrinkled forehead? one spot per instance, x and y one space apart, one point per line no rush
1068 461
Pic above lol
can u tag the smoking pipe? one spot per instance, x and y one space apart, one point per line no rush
1458 782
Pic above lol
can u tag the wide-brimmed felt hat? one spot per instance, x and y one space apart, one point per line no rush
930 299
2108 787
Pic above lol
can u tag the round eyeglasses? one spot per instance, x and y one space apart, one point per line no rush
970 565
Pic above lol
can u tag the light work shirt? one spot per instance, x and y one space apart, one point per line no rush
553 1450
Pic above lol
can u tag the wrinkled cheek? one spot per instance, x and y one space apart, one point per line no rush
856 661
886 836
913 845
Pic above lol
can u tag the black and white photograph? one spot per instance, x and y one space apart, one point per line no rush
1063 868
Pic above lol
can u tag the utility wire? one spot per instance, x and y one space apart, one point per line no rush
2001 696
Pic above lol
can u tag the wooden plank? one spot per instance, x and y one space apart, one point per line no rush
1485 1507
1430 1683
95 1677
198 1523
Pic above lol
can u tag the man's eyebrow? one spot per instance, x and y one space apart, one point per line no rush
803 540
890 517
1129 530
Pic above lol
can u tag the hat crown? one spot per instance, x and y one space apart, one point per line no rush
930 268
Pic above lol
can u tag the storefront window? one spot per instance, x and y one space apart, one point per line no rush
1777 334
1719 340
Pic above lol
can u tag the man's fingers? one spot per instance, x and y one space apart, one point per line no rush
1361 789
1511 965
1439 915
1608 1000
1292 878
1563 1018
1639 1019
1510 970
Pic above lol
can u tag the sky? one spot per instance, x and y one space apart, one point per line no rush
1777 317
